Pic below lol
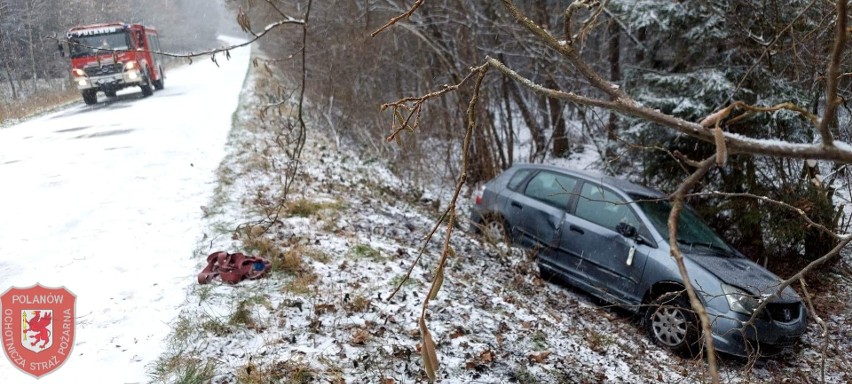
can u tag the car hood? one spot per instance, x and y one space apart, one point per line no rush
745 274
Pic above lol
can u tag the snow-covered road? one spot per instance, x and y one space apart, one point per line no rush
105 201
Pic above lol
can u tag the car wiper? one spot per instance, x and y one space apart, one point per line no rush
717 250
692 243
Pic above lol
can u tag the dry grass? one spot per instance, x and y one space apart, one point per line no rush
289 261
302 284
364 251
35 104
308 208
182 369
257 243
359 303
291 372
317 255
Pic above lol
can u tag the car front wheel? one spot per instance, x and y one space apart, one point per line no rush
672 324
90 97
147 88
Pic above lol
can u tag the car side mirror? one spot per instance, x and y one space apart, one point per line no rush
626 230
139 39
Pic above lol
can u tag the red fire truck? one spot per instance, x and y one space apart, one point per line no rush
111 56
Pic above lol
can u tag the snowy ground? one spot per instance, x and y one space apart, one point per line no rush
347 236
104 201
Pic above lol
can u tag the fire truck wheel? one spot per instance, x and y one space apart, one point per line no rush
160 84
147 89
90 97
109 93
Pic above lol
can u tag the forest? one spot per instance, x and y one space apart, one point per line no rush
686 60
736 107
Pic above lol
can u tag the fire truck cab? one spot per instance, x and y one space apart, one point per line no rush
112 56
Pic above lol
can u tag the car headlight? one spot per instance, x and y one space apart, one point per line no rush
739 300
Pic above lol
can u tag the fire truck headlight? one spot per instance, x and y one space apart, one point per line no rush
82 82
78 72
132 75
130 65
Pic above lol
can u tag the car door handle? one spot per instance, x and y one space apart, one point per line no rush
517 205
576 229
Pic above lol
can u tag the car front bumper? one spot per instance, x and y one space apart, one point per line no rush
111 81
732 334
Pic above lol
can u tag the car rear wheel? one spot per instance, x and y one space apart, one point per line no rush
160 84
494 230
672 324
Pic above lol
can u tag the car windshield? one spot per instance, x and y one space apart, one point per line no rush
691 231
82 46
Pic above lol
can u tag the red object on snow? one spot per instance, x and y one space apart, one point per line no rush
233 267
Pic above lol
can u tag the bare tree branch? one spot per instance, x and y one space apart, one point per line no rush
269 28
819 321
398 18
736 143
678 201
832 100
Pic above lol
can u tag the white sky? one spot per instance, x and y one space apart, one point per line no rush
105 201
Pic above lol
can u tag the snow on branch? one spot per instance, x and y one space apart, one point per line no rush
396 19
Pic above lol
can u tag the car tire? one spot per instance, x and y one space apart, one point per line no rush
494 230
160 84
147 88
90 97
672 324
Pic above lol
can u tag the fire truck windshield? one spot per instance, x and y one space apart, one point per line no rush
90 45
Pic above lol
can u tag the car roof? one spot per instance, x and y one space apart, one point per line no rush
623 185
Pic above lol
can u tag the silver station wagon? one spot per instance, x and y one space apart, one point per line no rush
609 237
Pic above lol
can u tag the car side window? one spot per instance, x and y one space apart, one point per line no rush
605 208
552 188
518 178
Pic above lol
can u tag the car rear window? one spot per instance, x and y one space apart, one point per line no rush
518 178
551 188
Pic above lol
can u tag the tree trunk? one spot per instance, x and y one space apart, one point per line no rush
367 15
509 127
817 243
498 143
8 71
32 49
557 121
529 119
615 74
